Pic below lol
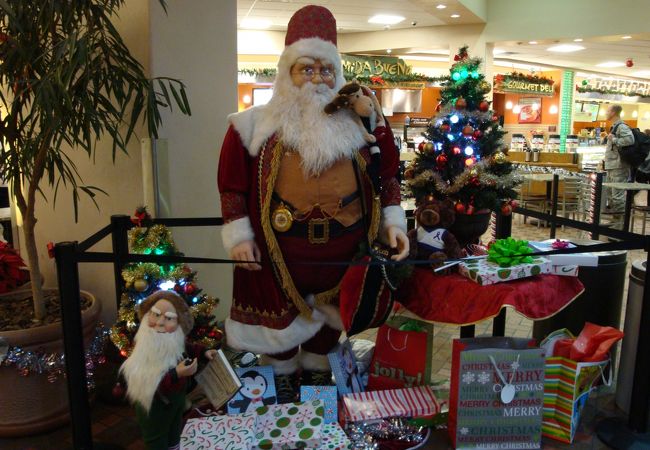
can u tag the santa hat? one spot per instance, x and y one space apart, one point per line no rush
312 33
185 319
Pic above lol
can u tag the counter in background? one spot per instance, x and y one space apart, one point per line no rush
567 161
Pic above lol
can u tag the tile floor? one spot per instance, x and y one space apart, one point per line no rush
116 424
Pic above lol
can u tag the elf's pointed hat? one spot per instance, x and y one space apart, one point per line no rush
312 33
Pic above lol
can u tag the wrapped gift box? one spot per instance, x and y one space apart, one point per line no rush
565 271
289 426
411 402
325 393
575 259
219 433
485 272
334 438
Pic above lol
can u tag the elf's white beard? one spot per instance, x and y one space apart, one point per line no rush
153 355
320 139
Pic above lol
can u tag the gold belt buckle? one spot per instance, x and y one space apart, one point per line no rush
319 231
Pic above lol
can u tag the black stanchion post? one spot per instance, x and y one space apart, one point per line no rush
554 196
641 387
119 236
597 199
468 331
502 231
75 363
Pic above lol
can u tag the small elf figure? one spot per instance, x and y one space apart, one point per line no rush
158 371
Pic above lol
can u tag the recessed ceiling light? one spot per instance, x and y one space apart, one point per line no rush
635 114
441 6
532 42
611 64
255 24
498 51
641 74
385 19
455 16
565 48
389 51
577 40
626 37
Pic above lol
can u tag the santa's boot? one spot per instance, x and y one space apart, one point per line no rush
287 382
315 369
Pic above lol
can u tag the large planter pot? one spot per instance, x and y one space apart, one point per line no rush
468 228
32 404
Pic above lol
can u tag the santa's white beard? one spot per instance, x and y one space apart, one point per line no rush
320 139
153 355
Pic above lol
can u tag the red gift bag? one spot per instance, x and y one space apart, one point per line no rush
402 357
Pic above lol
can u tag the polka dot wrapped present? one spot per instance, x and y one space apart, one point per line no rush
289 426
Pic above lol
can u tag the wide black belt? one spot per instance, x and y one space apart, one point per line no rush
320 231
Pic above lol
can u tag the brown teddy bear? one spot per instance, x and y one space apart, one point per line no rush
351 96
431 239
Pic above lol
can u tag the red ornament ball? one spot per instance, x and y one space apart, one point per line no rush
506 209
445 128
456 150
495 118
477 134
629 62
460 208
470 209
483 106
514 203
178 289
461 103
441 160
421 147
189 288
118 391
468 130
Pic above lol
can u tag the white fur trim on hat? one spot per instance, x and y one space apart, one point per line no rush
281 366
236 232
260 339
314 48
314 361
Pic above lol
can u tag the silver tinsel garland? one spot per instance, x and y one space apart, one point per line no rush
368 435
53 364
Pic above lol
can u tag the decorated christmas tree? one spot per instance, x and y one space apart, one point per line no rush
143 279
461 158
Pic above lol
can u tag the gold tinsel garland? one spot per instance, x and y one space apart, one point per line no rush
147 238
478 170
152 272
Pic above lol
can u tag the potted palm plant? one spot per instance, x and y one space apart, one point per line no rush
67 79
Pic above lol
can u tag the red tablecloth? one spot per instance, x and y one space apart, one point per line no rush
457 300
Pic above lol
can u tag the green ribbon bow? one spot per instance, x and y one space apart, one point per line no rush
510 252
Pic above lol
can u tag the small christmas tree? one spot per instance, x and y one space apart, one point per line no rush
143 279
461 158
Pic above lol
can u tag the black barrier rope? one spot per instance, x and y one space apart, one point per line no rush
639 243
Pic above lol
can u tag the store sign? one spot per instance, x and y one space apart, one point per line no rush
614 86
506 84
369 66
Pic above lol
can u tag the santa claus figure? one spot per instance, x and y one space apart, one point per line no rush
294 189
158 370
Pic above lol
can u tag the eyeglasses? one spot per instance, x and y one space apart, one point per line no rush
309 72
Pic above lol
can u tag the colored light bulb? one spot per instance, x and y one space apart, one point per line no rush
464 74
456 150
454 119
451 137
469 151
455 76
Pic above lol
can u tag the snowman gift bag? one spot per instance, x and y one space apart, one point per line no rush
496 398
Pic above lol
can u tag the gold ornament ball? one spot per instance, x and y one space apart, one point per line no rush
428 147
140 285
484 87
473 172
500 157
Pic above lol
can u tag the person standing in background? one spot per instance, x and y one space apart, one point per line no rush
617 170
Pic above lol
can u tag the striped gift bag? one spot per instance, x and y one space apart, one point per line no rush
567 386
410 402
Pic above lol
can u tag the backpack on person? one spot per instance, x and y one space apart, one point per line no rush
636 153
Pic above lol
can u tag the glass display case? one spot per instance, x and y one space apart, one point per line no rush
591 157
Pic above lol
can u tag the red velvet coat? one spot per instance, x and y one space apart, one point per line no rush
269 313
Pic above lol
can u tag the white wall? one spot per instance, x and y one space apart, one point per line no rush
198 44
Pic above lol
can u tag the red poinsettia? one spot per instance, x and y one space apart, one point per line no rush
12 268
377 80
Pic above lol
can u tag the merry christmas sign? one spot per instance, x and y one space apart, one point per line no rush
500 399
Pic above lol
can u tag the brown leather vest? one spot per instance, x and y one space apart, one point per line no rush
326 192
